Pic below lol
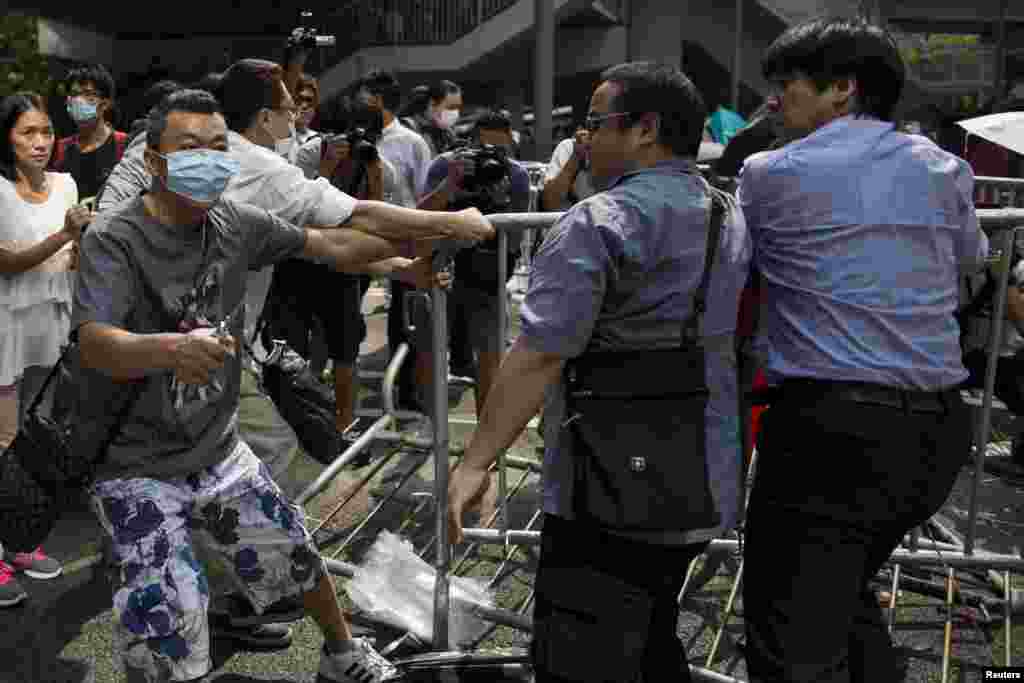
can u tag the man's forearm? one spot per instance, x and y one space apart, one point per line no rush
515 397
398 223
125 355
348 250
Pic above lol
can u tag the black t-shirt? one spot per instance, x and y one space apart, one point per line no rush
90 169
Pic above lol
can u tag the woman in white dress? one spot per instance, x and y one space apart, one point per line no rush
40 226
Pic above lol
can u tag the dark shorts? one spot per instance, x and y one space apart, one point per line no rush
338 304
475 309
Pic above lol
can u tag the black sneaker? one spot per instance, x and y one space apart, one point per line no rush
11 592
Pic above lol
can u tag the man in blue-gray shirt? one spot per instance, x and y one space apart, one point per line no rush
860 233
618 273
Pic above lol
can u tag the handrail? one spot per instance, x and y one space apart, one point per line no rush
372 23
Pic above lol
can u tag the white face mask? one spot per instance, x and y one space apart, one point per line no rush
447 118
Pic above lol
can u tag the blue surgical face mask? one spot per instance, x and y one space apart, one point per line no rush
82 110
199 174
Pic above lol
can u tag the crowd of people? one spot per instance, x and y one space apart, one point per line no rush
232 208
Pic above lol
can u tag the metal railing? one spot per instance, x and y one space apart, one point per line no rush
1000 224
373 23
999 192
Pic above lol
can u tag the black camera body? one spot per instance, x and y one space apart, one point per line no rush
363 142
307 37
490 166
486 189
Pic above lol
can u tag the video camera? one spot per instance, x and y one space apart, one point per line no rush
490 166
306 37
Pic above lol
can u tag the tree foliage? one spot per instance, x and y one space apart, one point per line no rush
932 47
21 65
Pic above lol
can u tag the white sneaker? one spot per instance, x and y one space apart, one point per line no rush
361 664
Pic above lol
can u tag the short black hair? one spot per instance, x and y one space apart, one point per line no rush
492 120
96 74
191 101
211 82
158 91
826 50
248 86
664 90
442 89
11 109
417 102
385 85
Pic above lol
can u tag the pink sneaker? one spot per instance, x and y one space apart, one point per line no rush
37 564
11 592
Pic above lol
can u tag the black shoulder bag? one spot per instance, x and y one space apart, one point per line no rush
636 421
53 456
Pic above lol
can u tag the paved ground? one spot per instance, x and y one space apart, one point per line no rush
63 633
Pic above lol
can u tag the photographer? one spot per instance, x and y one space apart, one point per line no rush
567 178
351 162
484 176
410 154
619 277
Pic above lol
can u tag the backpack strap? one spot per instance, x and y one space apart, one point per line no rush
60 152
716 217
120 143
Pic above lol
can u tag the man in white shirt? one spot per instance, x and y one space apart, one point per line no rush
567 179
410 155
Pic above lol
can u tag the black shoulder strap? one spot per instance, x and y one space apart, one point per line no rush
716 216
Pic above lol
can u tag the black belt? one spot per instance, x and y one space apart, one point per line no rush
906 400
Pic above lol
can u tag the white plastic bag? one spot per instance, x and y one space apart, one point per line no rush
396 587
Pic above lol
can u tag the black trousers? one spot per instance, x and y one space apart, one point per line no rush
571 553
837 485
406 383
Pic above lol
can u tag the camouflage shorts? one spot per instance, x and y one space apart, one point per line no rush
236 510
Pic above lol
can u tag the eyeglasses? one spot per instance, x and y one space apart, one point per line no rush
593 122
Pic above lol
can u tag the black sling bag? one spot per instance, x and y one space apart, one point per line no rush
636 420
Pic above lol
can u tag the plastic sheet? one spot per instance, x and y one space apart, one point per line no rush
396 587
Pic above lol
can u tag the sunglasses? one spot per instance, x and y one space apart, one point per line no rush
593 122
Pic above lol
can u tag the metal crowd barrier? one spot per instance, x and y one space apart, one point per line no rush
1004 192
1000 224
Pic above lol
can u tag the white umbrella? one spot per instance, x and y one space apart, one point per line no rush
1005 129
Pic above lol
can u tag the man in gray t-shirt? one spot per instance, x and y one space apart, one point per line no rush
160 303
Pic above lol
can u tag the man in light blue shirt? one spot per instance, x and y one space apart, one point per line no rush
860 234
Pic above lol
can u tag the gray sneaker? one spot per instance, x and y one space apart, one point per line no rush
36 564
11 592
360 664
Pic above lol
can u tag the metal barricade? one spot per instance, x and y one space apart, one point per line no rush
1000 224
999 192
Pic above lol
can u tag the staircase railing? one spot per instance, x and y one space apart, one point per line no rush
361 24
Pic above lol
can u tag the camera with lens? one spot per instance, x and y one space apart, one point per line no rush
306 37
490 166
487 188
362 141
